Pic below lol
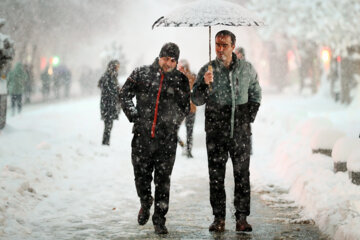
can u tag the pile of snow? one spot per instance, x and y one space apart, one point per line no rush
328 198
343 147
353 162
310 126
325 138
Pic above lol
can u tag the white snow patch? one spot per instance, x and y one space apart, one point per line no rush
353 162
343 147
325 138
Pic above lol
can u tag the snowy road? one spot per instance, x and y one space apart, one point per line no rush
58 182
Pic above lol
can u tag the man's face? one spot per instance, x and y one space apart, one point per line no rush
167 64
224 47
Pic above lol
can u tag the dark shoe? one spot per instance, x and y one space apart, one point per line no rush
144 214
189 155
160 229
243 226
218 225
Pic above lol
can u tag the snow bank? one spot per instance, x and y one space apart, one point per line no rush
343 147
353 162
329 198
325 138
309 127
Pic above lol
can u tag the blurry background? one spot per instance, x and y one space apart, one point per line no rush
312 46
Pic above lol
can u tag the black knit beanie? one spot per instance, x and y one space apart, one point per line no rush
170 50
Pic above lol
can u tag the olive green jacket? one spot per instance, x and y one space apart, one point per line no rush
16 79
235 86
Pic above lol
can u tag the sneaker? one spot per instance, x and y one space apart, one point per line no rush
160 229
144 214
218 225
243 226
189 155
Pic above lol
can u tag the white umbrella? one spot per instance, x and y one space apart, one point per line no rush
209 13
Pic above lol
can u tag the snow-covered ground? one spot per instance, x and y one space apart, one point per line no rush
56 180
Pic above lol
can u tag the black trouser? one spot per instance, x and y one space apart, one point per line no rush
16 100
219 146
107 131
154 155
189 123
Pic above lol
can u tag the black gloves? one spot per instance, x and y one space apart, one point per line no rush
253 108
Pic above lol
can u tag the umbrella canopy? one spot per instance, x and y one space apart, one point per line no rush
207 13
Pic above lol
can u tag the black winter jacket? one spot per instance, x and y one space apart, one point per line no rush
173 103
109 104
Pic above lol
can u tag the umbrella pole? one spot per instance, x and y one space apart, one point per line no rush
209 44
209 66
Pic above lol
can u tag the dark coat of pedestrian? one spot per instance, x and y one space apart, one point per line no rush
110 102
162 96
232 95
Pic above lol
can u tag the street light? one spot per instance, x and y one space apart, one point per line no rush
325 57
55 61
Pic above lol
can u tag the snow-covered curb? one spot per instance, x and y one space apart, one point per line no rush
329 198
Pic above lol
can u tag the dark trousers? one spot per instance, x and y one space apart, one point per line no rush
3 106
154 155
107 131
189 123
16 101
219 147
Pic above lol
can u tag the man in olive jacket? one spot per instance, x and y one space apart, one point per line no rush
162 101
232 95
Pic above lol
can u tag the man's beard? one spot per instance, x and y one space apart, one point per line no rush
168 69
223 57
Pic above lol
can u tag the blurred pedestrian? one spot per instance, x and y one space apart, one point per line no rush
240 53
46 77
109 104
29 84
231 105
162 101
184 67
15 84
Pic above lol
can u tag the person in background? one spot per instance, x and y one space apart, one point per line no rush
29 84
46 77
240 53
232 103
184 67
15 83
162 96
109 103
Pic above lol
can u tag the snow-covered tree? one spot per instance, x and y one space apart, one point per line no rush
6 50
313 24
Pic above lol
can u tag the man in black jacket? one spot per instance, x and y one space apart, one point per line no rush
162 101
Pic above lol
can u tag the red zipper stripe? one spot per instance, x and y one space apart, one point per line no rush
156 107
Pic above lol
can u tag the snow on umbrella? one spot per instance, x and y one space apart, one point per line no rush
205 13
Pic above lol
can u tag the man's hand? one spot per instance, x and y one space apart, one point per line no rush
208 77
